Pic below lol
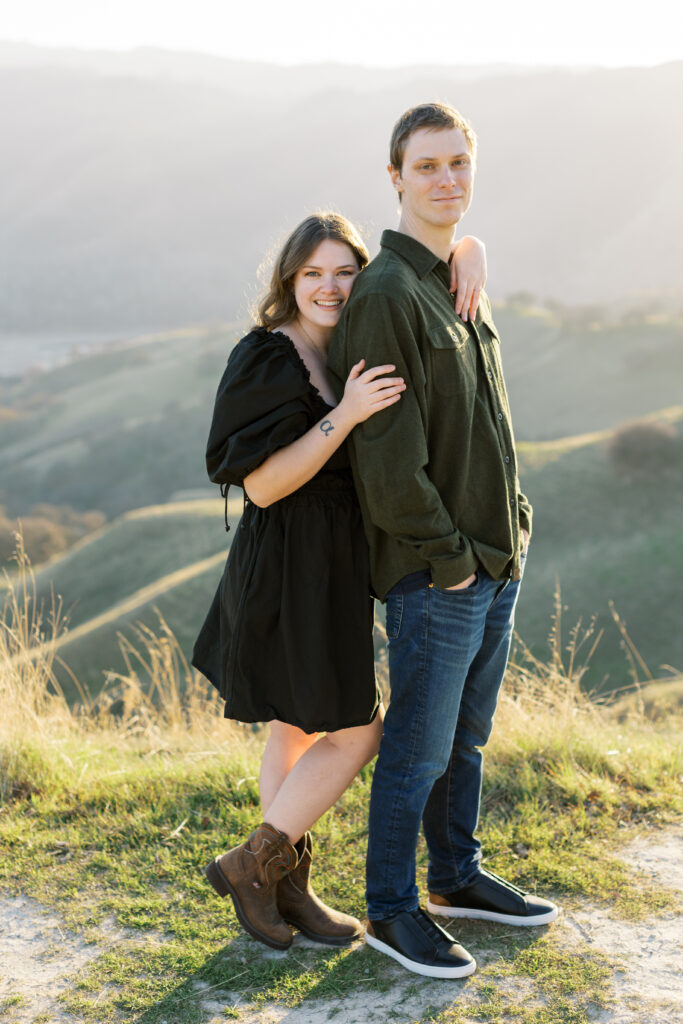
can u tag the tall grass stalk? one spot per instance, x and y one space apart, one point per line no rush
33 705
158 703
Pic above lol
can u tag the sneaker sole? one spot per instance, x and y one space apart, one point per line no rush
417 968
490 915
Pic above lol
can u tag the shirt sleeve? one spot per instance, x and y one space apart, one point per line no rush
525 512
389 450
260 407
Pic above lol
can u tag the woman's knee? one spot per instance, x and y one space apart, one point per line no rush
361 742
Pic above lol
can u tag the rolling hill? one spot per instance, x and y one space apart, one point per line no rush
126 426
604 536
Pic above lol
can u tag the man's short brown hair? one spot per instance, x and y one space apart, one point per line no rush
435 116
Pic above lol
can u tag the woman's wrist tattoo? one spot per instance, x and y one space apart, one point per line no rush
326 426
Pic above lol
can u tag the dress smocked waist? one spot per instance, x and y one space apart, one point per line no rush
331 488
334 482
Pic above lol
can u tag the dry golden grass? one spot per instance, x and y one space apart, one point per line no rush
177 711
160 703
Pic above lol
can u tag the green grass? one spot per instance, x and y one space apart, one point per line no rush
113 833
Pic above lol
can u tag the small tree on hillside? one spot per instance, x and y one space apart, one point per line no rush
646 449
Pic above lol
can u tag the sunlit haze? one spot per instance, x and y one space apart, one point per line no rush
377 33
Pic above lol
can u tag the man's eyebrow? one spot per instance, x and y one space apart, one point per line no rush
417 159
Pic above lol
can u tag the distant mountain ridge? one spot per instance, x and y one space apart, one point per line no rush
144 189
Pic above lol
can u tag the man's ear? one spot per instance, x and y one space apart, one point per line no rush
395 175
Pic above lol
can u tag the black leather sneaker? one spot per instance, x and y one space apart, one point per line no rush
490 898
420 945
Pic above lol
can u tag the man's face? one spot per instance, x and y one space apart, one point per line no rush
437 177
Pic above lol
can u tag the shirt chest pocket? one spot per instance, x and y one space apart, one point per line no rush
453 357
489 334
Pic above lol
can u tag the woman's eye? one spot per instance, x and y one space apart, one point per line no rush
311 273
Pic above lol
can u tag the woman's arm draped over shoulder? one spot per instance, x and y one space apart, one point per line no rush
468 274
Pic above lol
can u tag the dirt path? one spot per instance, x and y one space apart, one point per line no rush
38 958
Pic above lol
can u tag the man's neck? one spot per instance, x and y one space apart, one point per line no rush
438 240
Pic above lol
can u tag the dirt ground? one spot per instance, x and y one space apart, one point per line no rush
39 958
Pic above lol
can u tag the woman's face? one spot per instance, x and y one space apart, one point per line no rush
323 285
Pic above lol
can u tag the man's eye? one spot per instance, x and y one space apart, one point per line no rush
426 167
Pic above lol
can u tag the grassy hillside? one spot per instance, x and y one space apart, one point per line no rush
136 550
573 370
126 426
603 535
116 429
164 560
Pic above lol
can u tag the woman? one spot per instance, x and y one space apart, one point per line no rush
288 638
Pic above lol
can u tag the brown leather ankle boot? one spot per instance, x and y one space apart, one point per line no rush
250 874
299 905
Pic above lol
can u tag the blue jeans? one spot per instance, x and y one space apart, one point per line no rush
447 656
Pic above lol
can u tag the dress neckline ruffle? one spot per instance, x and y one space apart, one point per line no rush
295 358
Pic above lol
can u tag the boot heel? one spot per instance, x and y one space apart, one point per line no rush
215 876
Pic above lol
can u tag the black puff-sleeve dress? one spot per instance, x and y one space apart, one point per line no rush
289 633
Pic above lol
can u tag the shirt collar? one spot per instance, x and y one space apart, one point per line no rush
421 259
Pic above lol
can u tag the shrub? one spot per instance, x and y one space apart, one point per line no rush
47 530
646 449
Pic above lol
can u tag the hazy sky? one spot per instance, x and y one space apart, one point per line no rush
373 32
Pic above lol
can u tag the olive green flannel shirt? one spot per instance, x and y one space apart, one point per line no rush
436 473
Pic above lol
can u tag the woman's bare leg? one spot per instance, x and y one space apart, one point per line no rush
318 776
285 745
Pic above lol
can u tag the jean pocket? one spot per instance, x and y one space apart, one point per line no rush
449 592
394 616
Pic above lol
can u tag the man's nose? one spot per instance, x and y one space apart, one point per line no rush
448 177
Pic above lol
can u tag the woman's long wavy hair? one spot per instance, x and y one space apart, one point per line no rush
278 305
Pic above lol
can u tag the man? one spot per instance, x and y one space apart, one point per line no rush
448 531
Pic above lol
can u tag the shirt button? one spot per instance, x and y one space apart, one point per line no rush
512 502
507 458
490 375
500 415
